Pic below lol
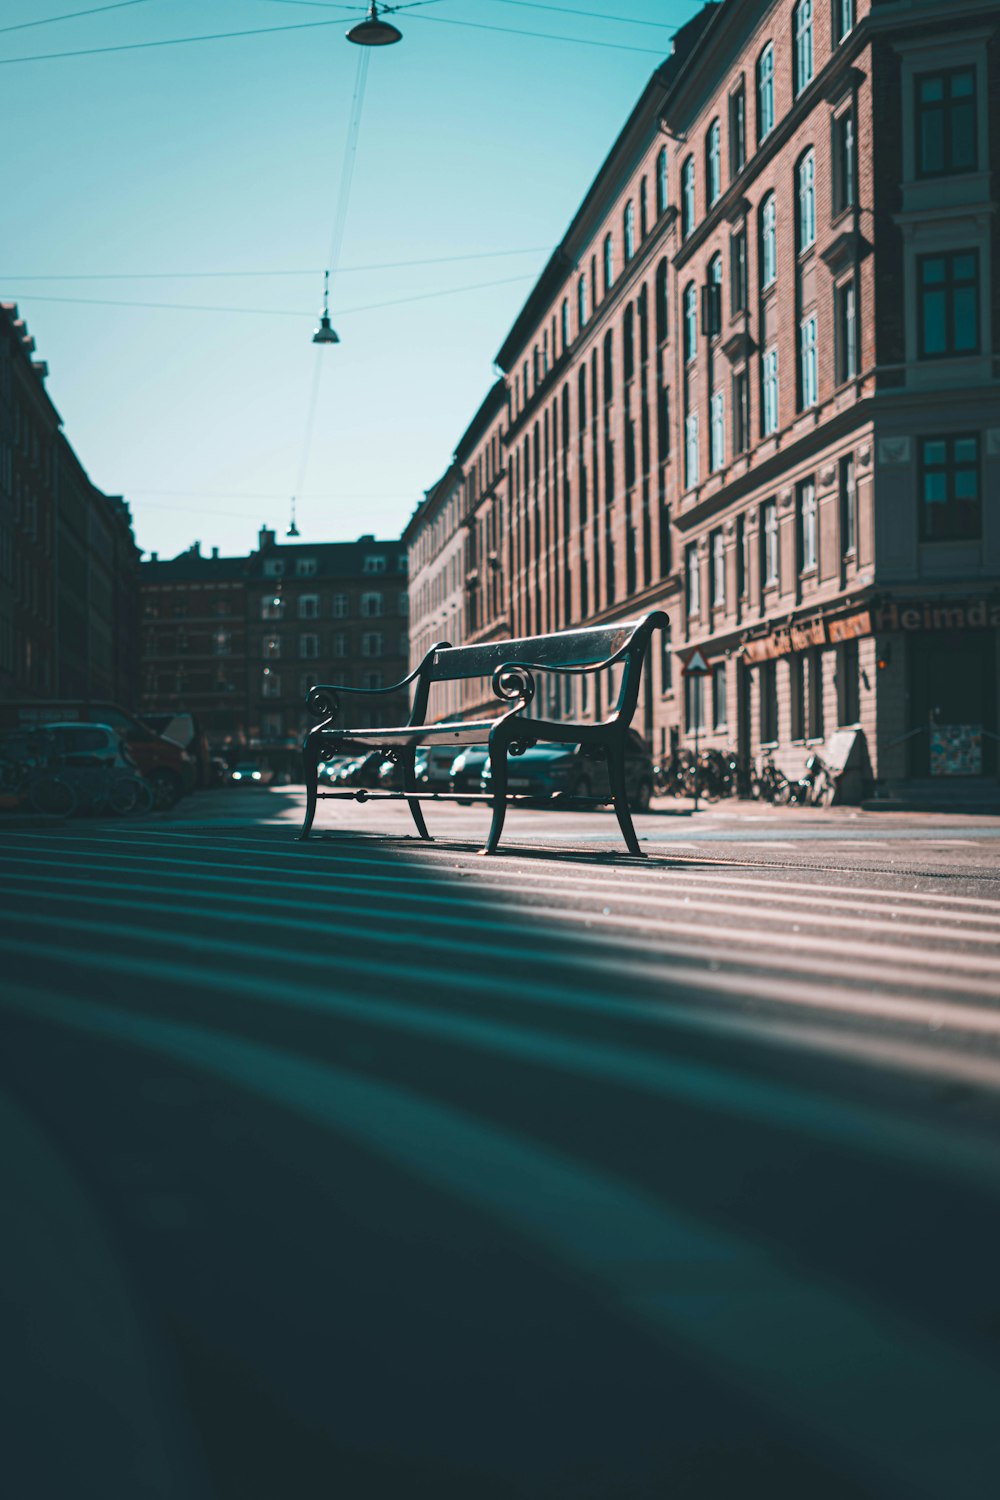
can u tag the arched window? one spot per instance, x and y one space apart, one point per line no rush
768 242
609 262
807 201
713 320
628 230
802 27
662 323
687 197
564 320
765 93
628 344
643 214
713 161
662 181
690 322
609 370
581 298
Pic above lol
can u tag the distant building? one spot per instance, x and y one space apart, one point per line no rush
69 566
239 641
756 388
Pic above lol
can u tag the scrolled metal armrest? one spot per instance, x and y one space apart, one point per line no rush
513 683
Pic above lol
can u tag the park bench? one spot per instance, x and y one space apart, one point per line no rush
511 666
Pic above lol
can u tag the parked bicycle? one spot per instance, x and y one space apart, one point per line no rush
29 774
98 766
769 784
817 786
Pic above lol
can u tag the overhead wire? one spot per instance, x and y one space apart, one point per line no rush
71 15
384 265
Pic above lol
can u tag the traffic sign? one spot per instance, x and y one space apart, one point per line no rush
695 666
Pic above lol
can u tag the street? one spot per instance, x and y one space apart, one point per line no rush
365 1167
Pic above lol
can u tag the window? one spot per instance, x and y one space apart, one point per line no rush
308 647
692 579
272 607
305 567
628 230
737 131
848 506
848 684
666 660
768 242
371 606
845 312
662 305
687 198
371 643
717 576
843 18
581 298
308 606
307 680
711 307
272 726
717 431
720 718
564 324
222 643
643 231
274 568
609 263
768 685
340 643
769 553
950 489
340 606
738 271
948 304
403 602
663 422
946 123
270 683
803 61
814 725
808 363
691 450
805 518
741 556
741 412
372 681
690 322
270 647
662 181
807 201
845 171
765 93
374 564
797 696
770 402
694 702
713 162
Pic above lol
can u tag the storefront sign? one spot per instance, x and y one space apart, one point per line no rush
961 614
852 627
804 636
767 647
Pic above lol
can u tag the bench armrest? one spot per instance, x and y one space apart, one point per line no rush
323 698
514 680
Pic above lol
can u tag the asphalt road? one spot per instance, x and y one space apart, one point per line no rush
368 1168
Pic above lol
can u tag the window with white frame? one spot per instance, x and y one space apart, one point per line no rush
270 683
340 606
808 362
687 198
609 262
717 431
845 167
691 450
340 643
274 567
690 322
807 200
308 606
846 322
628 230
843 18
765 93
371 643
718 569
692 579
371 606
581 298
769 553
662 180
564 323
768 242
713 162
805 515
803 30
374 563
305 567
848 495
737 130
308 647
769 405
720 716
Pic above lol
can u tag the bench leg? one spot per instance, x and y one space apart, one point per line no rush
498 767
410 785
616 775
310 759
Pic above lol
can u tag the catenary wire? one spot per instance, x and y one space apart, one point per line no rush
71 15
385 265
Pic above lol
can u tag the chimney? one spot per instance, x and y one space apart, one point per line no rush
215 552
154 557
265 539
195 549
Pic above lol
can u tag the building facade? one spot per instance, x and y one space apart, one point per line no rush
756 388
238 641
69 565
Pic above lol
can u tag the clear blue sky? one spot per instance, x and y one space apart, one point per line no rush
226 156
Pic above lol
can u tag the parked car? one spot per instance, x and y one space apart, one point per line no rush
184 729
330 770
170 770
390 778
467 769
435 776
565 772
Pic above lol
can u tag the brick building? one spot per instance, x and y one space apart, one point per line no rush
756 386
69 566
239 641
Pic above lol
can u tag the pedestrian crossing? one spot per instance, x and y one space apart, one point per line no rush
709 1089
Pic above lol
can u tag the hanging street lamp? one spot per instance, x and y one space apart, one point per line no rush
373 32
324 333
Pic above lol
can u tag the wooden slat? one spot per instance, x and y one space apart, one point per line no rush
570 648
